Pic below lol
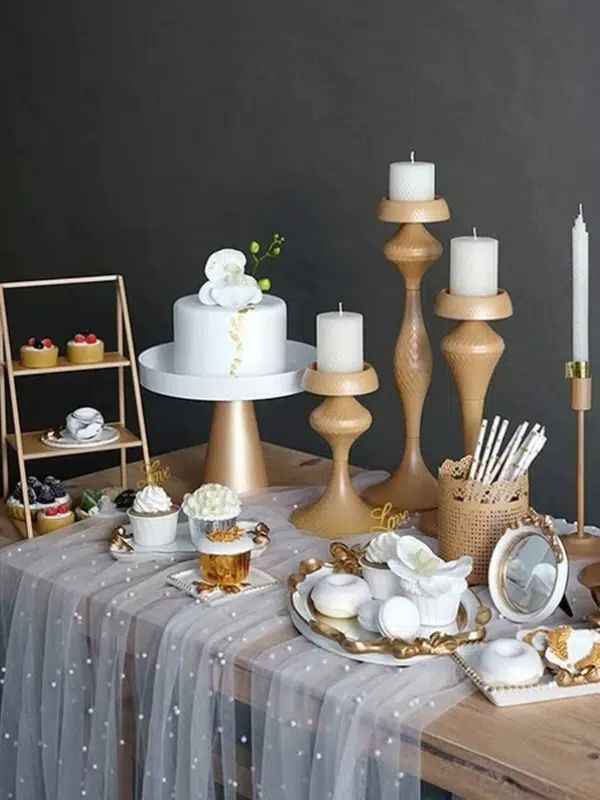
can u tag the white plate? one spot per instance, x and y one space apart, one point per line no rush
468 656
180 549
301 616
106 436
184 581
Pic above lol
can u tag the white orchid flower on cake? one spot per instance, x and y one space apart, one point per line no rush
422 572
227 284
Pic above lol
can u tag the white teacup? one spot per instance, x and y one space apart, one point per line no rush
85 423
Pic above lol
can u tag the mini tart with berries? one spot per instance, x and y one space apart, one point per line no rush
42 494
54 518
85 348
39 353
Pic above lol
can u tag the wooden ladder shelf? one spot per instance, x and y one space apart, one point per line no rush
28 445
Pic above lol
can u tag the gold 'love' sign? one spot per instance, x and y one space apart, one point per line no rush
386 519
155 474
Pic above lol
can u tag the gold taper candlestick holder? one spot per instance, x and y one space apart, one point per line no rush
472 351
580 543
340 419
412 251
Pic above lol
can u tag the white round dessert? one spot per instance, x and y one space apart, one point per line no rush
399 619
340 595
509 662
213 340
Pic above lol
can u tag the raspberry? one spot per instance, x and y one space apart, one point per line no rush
79 338
62 509
31 341
52 511
91 338
47 342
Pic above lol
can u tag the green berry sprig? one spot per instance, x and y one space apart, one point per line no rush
272 251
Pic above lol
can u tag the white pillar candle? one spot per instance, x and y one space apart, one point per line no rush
412 180
340 341
580 258
474 265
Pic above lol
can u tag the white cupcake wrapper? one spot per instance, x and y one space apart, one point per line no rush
382 581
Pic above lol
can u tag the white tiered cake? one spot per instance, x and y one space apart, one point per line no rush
212 340
229 327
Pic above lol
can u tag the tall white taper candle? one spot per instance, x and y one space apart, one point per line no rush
580 259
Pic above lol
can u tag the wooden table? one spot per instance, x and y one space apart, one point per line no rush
478 751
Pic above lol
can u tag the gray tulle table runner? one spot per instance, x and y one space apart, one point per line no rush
102 660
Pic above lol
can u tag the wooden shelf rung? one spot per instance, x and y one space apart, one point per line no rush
33 448
111 361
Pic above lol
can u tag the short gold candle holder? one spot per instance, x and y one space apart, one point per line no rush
412 250
472 351
340 420
581 543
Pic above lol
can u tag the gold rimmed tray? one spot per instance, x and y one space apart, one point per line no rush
348 638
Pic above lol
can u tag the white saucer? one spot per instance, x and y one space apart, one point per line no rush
180 549
66 441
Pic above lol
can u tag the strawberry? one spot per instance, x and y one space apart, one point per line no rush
47 342
52 511
31 341
91 338
79 338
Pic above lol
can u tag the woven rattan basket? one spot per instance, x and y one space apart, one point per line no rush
472 517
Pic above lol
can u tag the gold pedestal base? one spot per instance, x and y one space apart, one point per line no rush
340 419
578 546
234 455
411 487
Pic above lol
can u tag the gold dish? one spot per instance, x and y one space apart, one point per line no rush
347 636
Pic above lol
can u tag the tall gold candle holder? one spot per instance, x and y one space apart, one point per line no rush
412 251
580 543
340 420
472 351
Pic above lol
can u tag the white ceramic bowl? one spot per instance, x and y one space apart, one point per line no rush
509 662
399 619
85 423
382 581
340 595
153 530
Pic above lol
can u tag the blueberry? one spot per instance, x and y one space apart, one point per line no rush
50 479
57 489
125 499
38 346
46 495
18 493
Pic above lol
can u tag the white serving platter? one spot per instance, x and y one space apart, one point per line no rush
301 615
157 373
468 657
180 549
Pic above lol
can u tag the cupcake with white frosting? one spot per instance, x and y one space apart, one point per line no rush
153 517
382 581
212 507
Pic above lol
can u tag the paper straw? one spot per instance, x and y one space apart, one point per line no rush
496 449
488 449
510 455
502 458
475 459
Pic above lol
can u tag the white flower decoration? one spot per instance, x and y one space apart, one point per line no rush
227 283
422 572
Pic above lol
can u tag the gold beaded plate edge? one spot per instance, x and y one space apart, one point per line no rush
348 638
547 688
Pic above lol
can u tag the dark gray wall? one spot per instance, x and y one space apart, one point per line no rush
138 137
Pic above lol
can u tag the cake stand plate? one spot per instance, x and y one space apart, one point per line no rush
234 454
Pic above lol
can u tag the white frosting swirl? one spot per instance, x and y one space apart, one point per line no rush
212 501
152 500
382 548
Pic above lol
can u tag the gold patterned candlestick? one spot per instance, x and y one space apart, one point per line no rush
472 351
412 251
340 419
580 543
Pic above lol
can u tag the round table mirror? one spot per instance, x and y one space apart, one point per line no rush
528 570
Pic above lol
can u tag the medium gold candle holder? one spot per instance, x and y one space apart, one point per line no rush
412 251
580 543
340 420
472 351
